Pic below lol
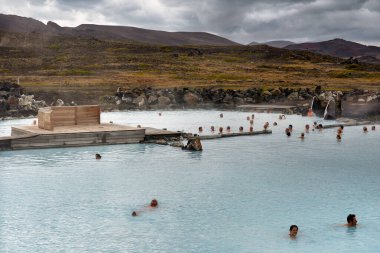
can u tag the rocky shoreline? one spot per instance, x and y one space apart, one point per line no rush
360 104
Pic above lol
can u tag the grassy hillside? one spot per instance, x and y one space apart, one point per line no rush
78 68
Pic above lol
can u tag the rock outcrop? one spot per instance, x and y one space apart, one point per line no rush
13 103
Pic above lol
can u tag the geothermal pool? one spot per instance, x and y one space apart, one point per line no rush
240 194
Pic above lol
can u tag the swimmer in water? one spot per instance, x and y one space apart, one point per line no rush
373 128
220 130
293 231
212 129
365 130
351 221
98 157
221 115
228 129
200 129
310 112
302 137
153 204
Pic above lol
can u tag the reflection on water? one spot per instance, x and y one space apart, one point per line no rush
238 195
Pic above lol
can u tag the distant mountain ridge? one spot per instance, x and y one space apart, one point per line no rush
17 24
339 48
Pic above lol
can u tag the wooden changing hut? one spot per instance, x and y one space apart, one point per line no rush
58 116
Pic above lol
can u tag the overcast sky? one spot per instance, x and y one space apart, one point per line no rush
242 21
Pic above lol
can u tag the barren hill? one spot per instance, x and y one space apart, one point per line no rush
17 24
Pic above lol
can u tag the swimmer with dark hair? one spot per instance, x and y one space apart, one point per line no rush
307 127
290 128
212 129
293 231
266 125
98 157
251 129
241 129
248 118
200 129
220 130
373 128
221 115
275 123
228 129
351 220
154 203
365 130
302 136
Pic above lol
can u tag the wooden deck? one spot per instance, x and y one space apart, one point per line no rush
154 134
17 130
30 137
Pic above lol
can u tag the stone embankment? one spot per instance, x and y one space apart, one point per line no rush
328 104
356 103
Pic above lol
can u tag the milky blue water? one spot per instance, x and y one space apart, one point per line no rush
240 194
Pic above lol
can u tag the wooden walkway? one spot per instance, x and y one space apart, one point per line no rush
31 137
226 135
279 108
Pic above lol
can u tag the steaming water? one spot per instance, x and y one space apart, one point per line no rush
239 195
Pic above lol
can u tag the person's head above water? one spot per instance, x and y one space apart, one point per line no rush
154 203
351 220
293 230
98 156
